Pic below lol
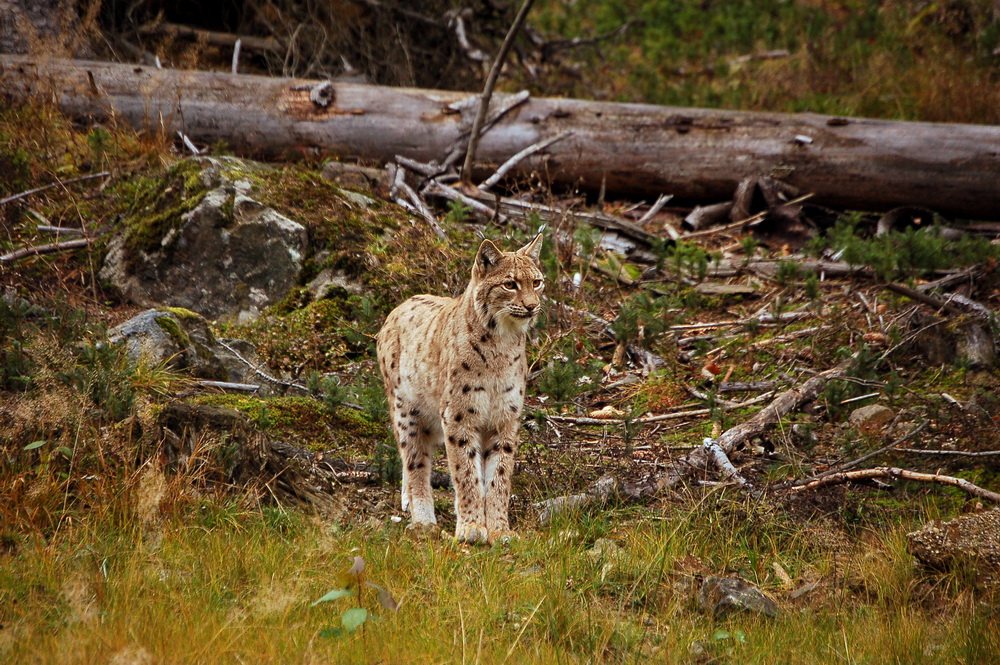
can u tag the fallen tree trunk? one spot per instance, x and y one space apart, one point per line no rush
644 150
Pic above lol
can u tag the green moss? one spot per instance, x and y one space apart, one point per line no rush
305 422
180 312
161 204
170 326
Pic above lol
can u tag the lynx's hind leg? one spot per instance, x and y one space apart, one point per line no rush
418 435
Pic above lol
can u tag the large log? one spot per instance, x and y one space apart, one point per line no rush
638 149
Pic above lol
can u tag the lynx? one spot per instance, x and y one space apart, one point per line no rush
454 372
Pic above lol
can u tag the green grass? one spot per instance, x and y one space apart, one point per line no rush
895 59
222 582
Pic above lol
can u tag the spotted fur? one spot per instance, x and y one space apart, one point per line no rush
454 372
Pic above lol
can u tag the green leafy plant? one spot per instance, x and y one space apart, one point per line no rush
566 376
457 213
907 254
104 373
352 584
788 272
328 389
688 259
643 319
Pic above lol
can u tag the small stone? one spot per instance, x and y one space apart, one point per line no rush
719 595
603 548
971 539
873 416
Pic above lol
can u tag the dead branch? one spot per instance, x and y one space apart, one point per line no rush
840 468
697 460
422 209
60 230
523 154
721 460
924 298
483 211
44 249
661 201
947 453
460 145
763 55
599 492
456 21
712 214
228 385
228 39
896 472
59 183
550 48
491 81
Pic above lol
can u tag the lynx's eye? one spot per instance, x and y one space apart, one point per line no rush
537 284
510 286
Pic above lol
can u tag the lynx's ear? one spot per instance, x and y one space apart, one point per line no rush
487 256
533 248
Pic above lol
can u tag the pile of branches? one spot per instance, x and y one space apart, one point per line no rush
432 44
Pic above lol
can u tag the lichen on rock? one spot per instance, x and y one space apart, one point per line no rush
201 242
969 539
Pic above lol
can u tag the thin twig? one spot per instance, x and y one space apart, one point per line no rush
54 184
491 80
661 417
258 371
523 154
864 458
661 201
60 230
421 208
953 453
187 142
44 249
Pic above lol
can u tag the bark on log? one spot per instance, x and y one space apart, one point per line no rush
645 150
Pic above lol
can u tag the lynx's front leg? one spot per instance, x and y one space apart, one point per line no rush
498 467
464 462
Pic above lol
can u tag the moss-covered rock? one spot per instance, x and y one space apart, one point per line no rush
198 240
306 422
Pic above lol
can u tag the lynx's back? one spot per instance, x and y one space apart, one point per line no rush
454 372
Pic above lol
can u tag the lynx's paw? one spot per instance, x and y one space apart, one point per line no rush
503 537
471 533
422 530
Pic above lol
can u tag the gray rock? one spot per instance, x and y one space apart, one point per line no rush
328 280
182 339
975 345
228 258
873 416
970 539
719 595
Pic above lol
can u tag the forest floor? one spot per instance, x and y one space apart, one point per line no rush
110 557
111 554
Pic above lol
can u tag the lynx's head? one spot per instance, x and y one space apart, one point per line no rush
506 287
